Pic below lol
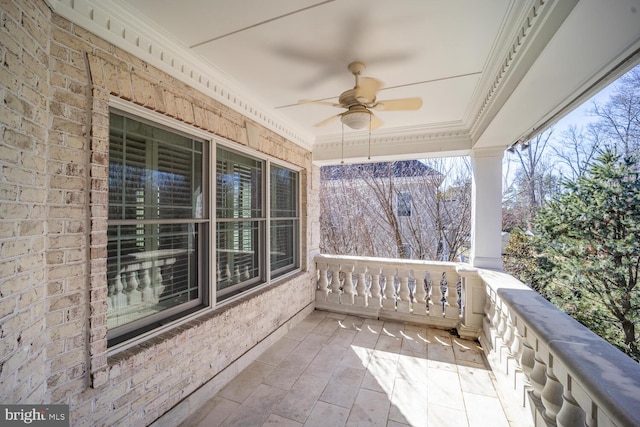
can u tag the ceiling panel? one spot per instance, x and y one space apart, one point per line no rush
283 51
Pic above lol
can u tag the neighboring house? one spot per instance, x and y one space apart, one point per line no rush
388 209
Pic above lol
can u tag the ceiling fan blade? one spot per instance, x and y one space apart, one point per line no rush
327 121
311 101
367 89
398 104
375 122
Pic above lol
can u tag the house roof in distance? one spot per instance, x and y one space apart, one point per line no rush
397 169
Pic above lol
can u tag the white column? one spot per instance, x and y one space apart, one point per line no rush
486 208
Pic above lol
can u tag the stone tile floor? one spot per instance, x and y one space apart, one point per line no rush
338 370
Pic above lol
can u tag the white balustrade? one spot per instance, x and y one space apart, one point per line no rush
567 375
390 288
561 373
138 284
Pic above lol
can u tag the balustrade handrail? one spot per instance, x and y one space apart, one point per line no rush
388 262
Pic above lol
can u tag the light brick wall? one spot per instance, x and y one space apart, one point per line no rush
56 83
25 94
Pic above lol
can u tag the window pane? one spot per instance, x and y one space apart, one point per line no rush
284 220
151 177
404 204
157 248
238 186
237 253
284 245
150 268
284 187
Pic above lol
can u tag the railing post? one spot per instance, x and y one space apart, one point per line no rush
475 303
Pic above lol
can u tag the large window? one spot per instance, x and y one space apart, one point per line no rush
160 263
158 226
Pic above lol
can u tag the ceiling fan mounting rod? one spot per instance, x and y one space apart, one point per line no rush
356 69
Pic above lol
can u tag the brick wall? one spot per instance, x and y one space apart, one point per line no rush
56 83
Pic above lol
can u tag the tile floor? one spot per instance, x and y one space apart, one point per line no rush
337 370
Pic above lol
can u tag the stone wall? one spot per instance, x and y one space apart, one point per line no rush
56 84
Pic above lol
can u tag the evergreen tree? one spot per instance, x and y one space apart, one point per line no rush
590 235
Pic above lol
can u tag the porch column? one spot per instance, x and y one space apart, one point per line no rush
486 208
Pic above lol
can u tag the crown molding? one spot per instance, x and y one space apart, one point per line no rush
359 148
119 26
539 23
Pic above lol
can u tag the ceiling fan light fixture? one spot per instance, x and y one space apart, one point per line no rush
358 119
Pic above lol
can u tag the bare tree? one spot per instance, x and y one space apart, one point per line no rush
619 117
578 148
397 209
534 181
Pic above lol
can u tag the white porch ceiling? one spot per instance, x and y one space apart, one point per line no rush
466 59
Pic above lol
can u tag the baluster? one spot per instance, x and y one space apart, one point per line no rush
551 395
496 323
145 283
334 296
489 309
111 287
452 309
347 296
507 338
156 279
571 414
236 274
227 272
527 359
420 294
322 291
389 299
404 294
133 294
516 343
119 298
246 275
538 376
361 286
435 298
375 300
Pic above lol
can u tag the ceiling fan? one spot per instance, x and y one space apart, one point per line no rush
360 100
